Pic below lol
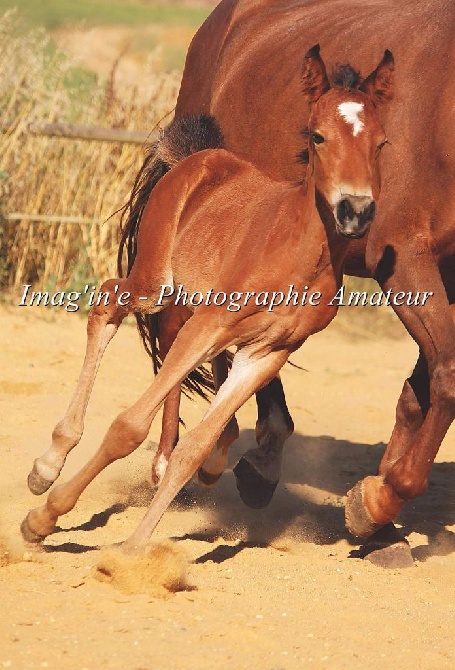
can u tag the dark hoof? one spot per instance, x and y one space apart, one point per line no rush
254 489
387 548
357 517
206 478
37 484
29 535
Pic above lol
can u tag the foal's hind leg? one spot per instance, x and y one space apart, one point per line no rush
197 341
171 320
258 471
169 435
248 373
103 322
215 465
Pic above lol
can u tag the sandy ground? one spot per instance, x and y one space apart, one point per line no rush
275 589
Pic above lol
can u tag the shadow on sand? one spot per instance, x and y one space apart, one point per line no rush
308 505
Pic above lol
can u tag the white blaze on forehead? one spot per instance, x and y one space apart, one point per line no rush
350 112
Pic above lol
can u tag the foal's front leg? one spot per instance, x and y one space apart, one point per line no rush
103 323
258 471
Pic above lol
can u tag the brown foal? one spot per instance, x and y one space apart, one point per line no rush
216 224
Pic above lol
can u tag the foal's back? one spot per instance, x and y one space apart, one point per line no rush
231 223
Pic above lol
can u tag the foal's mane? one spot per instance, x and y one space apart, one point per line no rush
343 76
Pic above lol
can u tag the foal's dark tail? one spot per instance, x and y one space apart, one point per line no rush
183 137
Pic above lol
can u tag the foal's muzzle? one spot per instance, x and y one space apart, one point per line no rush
354 214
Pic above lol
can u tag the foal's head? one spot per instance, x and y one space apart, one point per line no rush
346 137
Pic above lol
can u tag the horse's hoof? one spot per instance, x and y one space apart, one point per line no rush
387 548
254 489
37 484
29 535
206 478
358 519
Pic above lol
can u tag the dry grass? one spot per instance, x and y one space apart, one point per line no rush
60 177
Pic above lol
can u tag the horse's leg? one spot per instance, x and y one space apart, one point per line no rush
258 471
212 469
103 322
388 546
198 340
411 411
169 435
248 373
375 501
171 321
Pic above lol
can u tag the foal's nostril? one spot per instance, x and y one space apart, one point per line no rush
368 213
345 210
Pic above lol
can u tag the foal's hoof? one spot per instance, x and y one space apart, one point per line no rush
37 484
254 489
387 548
207 478
29 535
159 467
358 519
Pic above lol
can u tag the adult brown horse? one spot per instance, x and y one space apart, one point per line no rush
238 70
221 227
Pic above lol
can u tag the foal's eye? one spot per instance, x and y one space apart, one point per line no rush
317 138
382 145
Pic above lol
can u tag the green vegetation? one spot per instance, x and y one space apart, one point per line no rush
53 14
157 19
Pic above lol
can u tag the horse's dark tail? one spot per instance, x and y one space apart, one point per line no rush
183 137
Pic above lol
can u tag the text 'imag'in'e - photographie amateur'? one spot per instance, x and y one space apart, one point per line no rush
234 301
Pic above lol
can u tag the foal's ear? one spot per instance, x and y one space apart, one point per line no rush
379 85
314 75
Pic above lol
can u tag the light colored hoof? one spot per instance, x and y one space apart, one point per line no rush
358 519
37 484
